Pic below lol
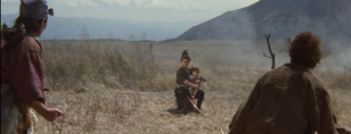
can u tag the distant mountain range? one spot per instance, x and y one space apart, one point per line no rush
94 28
281 18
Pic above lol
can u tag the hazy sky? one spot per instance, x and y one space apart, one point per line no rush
138 10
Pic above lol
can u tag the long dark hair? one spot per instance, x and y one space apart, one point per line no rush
22 26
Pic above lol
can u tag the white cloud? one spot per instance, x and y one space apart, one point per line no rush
116 2
159 4
9 1
76 3
138 10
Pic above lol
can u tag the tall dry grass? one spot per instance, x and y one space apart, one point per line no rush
69 65
107 86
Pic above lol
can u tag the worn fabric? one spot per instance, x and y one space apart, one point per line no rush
182 75
199 77
7 103
200 95
286 100
22 69
182 91
194 79
16 125
181 94
11 126
10 37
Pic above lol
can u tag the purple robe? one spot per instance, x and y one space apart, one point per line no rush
22 69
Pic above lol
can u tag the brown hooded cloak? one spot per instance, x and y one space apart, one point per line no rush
287 100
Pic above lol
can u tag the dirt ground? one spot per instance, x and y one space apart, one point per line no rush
110 111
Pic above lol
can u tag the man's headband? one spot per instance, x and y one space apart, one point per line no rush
36 9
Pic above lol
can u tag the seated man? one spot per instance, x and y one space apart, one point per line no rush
290 99
183 82
198 79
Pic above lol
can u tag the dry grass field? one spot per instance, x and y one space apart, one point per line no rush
116 87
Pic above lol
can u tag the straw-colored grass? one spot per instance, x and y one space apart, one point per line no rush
127 87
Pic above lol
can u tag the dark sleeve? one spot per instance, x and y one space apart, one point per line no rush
235 117
320 113
181 76
326 124
189 71
241 117
27 78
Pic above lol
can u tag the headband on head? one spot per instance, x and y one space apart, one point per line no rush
36 9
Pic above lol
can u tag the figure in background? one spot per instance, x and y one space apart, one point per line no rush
183 82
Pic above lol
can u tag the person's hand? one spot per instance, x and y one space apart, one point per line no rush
192 78
51 114
193 97
196 86
197 81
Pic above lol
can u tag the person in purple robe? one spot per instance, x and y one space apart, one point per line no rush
22 82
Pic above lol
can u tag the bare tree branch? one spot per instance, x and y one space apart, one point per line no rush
266 55
270 51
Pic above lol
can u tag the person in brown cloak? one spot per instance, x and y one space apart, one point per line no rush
22 70
290 99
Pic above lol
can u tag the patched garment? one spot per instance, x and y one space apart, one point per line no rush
22 69
287 100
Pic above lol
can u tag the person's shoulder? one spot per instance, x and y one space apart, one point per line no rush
31 44
297 68
290 69
306 75
276 73
314 80
181 69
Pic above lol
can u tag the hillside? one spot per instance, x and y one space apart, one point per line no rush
72 28
280 18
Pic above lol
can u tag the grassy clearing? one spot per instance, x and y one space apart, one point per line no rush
127 87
